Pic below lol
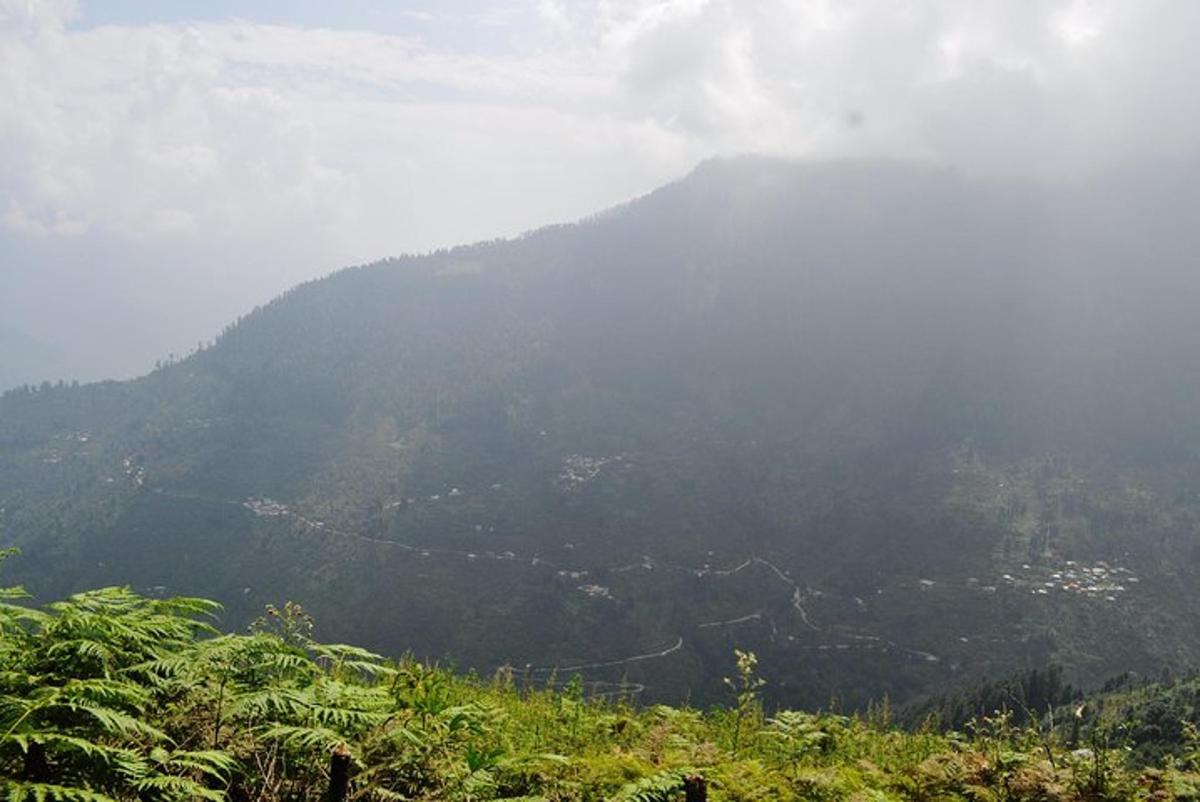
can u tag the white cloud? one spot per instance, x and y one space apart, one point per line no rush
352 145
148 133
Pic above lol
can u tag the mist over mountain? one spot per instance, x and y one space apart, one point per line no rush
888 426
89 307
26 358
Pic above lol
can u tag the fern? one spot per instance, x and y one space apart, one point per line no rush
46 792
311 739
660 787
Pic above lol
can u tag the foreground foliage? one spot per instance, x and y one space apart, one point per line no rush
113 696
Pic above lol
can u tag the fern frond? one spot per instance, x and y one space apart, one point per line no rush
115 722
168 786
209 762
659 787
63 743
47 792
187 606
314 739
271 703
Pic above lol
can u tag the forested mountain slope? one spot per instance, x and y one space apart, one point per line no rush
887 427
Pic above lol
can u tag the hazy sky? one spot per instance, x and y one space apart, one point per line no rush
166 165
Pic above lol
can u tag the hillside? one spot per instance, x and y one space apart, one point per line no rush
884 426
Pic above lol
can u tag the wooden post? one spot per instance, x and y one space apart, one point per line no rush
339 775
695 789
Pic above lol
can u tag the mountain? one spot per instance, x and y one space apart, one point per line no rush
889 427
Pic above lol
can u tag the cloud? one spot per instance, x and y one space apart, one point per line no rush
149 133
365 144
1032 89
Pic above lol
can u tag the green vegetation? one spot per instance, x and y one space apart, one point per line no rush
1156 721
112 696
1026 697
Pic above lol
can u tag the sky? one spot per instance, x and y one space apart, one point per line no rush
166 166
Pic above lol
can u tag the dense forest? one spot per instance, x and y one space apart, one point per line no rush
110 696
890 429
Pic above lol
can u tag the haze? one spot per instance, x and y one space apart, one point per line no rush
165 167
